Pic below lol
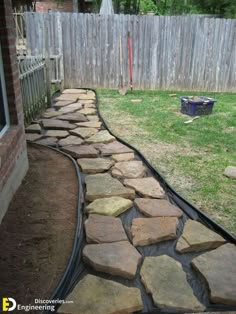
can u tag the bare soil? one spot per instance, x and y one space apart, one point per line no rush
37 233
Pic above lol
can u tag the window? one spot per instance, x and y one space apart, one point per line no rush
4 117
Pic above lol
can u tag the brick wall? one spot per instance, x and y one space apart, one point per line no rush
12 144
63 6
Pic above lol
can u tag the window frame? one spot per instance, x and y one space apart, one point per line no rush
4 96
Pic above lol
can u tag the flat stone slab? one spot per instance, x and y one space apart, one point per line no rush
33 128
88 96
73 117
95 165
95 295
147 231
70 108
84 132
111 206
104 185
87 101
101 137
90 124
196 237
53 124
129 169
157 208
88 105
88 111
63 103
165 279
230 172
146 187
31 137
218 267
74 91
92 118
123 157
104 229
50 141
51 114
81 151
113 148
72 97
118 258
56 133
70 140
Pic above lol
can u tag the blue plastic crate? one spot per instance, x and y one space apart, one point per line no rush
202 106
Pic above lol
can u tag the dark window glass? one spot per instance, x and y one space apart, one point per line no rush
2 110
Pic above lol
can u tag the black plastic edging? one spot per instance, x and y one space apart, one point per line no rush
177 198
61 289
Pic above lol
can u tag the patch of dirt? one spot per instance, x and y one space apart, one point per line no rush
37 233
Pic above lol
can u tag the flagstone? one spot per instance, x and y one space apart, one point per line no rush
147 231
146 187
90 124
129 169
74 91
113 148
56 133
50 141
104 229
218 267
196 237
70 108
92 118
51 114
123 157
70 140
31 137
73 117
81 151
104 185
101 137
62 103
84 132
88 96
165 279
157 208
95 165
72 97
88 111
111 206
55 124
95 295
33 128
117 258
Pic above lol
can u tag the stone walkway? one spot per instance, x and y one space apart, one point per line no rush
119 187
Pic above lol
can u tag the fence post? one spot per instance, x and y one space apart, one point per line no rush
47 63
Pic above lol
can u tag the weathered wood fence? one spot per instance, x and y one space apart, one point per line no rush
33 86
182 53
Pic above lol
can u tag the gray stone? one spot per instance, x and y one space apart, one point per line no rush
51 114
88 96
101 137
129 169
95 165
90 124
146 231
81 151
84 132
33 128
56 133
33 137
111 206
196 237
118 258
103 185
91 105
53 124
70 140
104 229
165 279
230 172
71 108
63 97
146 187
88 111
218 267
123 157
60 104
73 117
74 91
87 102
113 148
50 141
157 208
92 118
95 295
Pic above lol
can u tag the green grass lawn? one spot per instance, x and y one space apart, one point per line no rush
192 157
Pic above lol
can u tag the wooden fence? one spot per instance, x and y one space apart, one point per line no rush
33 86
179 53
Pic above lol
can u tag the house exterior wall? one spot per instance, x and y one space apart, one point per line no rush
13 154
62 6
